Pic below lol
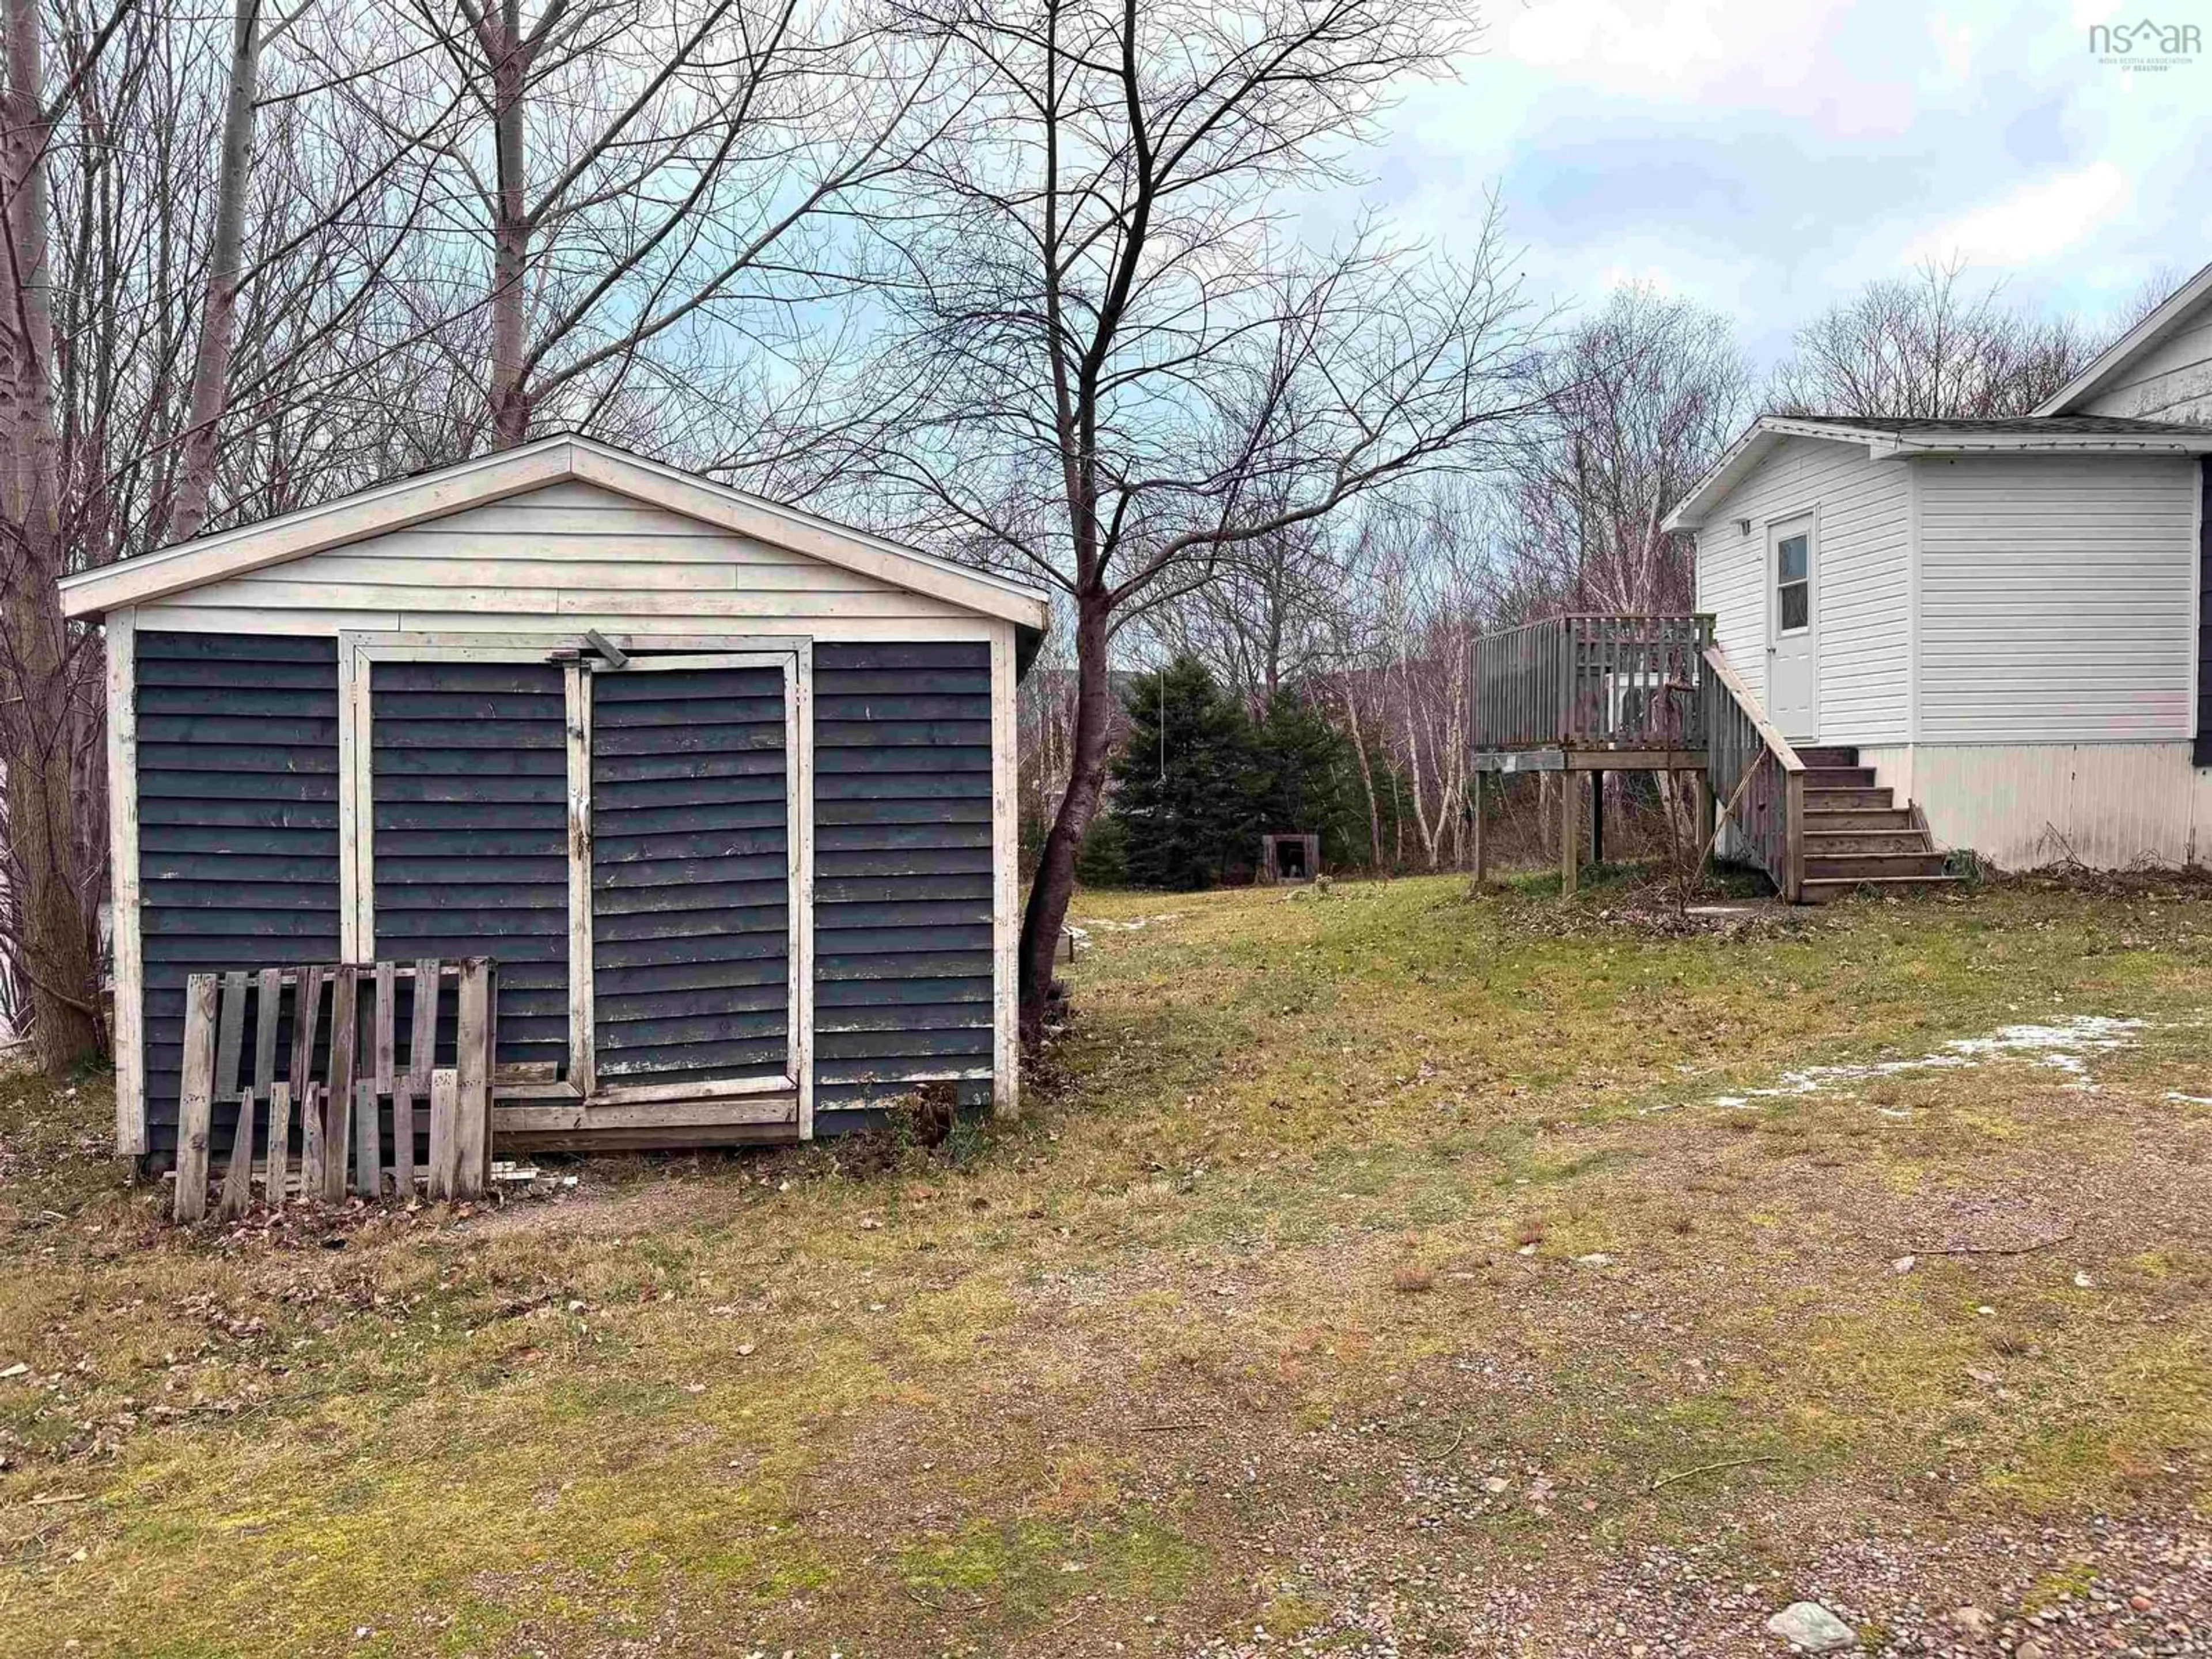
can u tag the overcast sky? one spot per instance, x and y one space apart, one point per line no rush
1768 156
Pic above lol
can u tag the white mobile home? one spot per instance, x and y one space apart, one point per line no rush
2004 619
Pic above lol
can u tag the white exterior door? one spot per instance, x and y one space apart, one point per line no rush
1793 629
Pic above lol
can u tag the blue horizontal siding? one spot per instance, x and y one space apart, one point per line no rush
238 840
468 784
690 875
903 960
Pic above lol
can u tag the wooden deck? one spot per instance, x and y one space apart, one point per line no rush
1598 694
1618 685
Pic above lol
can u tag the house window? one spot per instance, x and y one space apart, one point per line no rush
1793 589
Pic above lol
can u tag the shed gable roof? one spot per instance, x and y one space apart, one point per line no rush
436 494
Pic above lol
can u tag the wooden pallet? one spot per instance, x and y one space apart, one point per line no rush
341 1110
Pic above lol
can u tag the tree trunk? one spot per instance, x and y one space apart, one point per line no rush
505 49
1055 884
42 849
218 317
1366 780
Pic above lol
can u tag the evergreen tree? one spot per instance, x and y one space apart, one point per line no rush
1309 781
1103 857
1186 783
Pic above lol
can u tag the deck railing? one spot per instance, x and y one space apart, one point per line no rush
1593 681
1757 779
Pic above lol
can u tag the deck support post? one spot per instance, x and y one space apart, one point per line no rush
1481 851
1703 784
1568 849
1794 797
1597 817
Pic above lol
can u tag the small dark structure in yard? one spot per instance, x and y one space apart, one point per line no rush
1289 857
725 789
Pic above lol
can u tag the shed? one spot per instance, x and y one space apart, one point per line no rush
725 789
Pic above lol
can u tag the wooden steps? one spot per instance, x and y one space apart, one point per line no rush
1825 843
1856 834
1828 890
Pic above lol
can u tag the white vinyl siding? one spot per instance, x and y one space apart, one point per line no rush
1862 598
2056 598
2172 382
570 552
1731 573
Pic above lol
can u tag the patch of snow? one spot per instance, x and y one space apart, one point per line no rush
2064 1047
1135 925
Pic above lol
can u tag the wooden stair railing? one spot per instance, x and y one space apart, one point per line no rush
1756 776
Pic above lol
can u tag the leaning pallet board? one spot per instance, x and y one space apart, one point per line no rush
344 1122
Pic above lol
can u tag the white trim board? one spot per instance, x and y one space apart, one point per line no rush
409 501
1006 889
125 921
656 633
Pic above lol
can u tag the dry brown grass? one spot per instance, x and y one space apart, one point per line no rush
1242 1324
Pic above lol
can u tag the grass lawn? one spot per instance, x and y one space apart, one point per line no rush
1382 1271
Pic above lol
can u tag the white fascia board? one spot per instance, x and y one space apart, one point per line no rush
1884 444
2130 345
409 501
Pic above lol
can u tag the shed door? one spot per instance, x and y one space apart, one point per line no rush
469 790
692 876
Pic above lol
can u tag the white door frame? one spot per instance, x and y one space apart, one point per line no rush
793 654
1777 531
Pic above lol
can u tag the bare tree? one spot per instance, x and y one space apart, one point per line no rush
152 359
664 193
1261 624
1118 367
1927 348
35 689
1641 398
1413 594
211 382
